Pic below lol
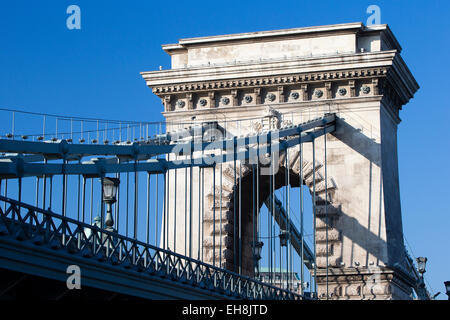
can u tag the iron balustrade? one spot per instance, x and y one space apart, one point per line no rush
23 222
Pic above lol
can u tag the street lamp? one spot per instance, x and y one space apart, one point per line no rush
257 248
110 186
447 288
421 264
283 238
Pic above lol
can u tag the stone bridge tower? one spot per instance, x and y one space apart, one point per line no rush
349 69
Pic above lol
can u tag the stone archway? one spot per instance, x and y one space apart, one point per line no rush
230 200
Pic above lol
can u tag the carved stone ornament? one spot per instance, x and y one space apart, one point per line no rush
225 100
365 89
350 74
318 93
257 127
295 95
181 104
271 97
274 117
203 102
342 91
248 99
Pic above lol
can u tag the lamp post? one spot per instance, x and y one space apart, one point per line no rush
421 268
110 186
283 243
447 288
257 248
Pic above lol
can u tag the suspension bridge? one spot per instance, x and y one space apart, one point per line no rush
286 164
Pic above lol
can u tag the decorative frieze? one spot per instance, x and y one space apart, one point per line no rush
275 94
270 81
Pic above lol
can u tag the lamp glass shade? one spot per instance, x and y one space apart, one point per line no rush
108 191
421 264
257 248
110 188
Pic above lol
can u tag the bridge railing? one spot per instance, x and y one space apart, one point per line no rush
38 227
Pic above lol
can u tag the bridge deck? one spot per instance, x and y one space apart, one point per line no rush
42 243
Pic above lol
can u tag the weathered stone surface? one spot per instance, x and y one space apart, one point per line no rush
226 216
210 227
321 249
333 261
333 235
209 240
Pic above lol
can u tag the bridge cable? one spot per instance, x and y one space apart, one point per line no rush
214 215
220 202
147 231
200 212
175 185
185 210
156 209
234 207
326 206
314 214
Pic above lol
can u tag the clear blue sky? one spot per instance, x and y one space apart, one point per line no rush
45 67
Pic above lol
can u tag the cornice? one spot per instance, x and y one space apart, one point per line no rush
402 80
264 68
386 69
